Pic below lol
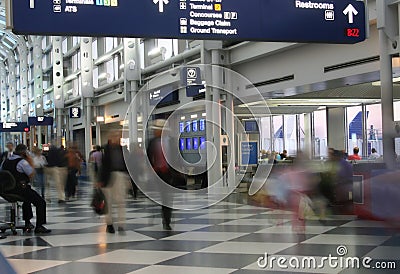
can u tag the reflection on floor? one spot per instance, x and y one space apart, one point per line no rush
226 238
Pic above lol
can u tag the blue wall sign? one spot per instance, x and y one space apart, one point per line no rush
40 121
14 127
320 21
249 153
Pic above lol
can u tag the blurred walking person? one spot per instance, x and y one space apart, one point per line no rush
114 181
39 163
157 157
74 167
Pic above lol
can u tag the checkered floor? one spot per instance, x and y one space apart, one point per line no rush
226 238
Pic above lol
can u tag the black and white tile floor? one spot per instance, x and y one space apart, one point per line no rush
226 238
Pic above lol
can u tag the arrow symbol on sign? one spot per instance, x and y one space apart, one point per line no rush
350 11
161 4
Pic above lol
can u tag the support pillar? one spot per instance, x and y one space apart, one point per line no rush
88 127
387 100
336 120
309 135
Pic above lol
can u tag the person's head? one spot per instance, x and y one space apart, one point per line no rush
373 150
36 151
284 151
356 150
10 146
98 148
21 149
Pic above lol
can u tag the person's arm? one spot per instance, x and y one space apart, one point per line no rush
24 167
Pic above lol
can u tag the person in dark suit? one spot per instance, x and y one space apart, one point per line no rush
158 160
7 154
21 167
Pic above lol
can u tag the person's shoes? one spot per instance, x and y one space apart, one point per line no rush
61 201
28 226
121 230
167 227
42 230
110 229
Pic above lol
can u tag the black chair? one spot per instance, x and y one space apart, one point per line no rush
7 183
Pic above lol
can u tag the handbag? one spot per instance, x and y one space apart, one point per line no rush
99 203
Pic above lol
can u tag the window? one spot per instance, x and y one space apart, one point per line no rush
44 43
266 134
65 46
290 136
111 43
76 60
171 45
354 129
321 134
374 128
94 49
95 77
110 70
277 123
116 67
75 41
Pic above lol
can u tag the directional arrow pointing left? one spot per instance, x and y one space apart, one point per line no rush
350 11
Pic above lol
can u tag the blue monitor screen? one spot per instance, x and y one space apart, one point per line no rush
187 127
202 142
181 127
194 125
188 143
202 125
251 126
195 143
181 144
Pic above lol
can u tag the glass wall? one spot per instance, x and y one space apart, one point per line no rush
354 129
321 134
374 128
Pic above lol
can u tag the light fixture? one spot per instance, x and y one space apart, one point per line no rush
193 116
204 114
58 97
378 83
100 118
183 118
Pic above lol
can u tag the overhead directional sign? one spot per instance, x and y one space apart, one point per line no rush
40 121
14 127
319 21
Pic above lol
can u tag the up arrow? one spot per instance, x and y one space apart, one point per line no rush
161 4
350 11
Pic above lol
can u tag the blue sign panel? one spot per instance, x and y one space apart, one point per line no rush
40 121
162 95
14 127
195 90
249 151
321 21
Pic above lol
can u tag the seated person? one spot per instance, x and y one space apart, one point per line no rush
23 172
374 154
283 154
355 155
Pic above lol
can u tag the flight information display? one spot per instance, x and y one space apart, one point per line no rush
320 21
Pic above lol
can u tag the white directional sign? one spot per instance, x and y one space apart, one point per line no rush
161 4
350 11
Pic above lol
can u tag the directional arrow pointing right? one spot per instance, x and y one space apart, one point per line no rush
350 11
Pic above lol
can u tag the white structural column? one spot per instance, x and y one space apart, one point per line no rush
308 135
215 166
58 80
336 128
87 89
38 82
230 132
23 80
387 100
3 90
131 83
12 86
